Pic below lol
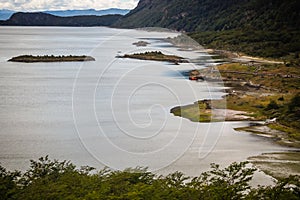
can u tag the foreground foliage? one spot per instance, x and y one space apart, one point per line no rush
48 179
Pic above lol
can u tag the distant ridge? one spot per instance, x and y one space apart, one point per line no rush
69 13
44 19
6 14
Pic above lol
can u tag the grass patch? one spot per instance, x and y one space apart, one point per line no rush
196 112
292 133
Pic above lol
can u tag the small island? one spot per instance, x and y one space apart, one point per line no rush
156 56
52 58
141 43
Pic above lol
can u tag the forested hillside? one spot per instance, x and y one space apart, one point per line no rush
214 15
268 28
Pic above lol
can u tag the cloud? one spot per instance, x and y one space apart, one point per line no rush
39 5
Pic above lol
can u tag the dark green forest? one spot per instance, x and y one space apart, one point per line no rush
215 15
53 179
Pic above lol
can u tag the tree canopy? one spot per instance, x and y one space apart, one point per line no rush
53 179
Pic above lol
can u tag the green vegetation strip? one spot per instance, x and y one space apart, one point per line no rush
280 44
52 58
48 179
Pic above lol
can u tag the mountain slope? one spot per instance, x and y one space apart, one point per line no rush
214 15
43 19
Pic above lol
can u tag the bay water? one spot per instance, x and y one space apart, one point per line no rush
112 112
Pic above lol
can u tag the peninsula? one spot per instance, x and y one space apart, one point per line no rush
257 92
52 58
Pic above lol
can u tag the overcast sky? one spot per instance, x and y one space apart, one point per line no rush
35 5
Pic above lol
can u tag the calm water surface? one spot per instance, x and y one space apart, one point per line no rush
113 111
